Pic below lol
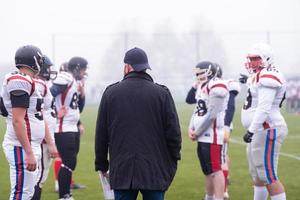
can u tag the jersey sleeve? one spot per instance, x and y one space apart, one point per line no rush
218 88
234 86
63 78
19 83
270 77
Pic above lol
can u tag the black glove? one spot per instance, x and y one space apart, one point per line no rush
243 78
248 137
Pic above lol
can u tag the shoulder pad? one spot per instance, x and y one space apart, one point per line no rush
270 77
19 82
217 87
63 78
233 85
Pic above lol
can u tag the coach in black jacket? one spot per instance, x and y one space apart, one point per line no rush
138 124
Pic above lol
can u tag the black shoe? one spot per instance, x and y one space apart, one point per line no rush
77 186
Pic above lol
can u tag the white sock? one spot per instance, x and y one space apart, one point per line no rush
280 196
218 199
209 197
260 193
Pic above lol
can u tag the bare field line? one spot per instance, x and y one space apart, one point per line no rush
235 141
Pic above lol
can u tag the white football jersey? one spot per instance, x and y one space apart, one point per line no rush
34 122
69 99
266 92
215 132
48 102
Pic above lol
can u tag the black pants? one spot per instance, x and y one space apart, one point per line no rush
68 146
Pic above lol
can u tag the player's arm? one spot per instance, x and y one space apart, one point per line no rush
81 101
211 114
266 97
190 98
101 137
50 142
269 82
20 103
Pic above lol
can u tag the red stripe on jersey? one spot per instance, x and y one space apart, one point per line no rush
63 98
16 77
28 129
215 157
215 132
271 76
219 85
44 85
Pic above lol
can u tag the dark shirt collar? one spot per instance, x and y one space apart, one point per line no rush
142 75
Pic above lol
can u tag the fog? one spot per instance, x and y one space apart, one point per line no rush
175 34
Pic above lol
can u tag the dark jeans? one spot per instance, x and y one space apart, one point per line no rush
132 194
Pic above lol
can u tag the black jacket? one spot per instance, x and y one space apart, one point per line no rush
138 123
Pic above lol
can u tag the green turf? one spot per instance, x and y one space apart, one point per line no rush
188 183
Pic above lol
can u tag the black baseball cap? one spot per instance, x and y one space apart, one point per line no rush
137 58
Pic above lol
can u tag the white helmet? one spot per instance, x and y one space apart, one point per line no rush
259 56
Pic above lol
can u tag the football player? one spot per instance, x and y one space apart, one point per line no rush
266 127
207 127
68 105
57 161
48 147
25 127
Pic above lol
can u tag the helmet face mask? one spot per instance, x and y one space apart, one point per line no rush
205 71
46 72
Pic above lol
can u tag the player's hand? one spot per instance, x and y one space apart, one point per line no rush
62 112
31 163
195 85
226 134
81 129
105 174
248 137
52 150
243 78
192 134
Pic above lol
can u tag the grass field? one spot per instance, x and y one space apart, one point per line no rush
188 183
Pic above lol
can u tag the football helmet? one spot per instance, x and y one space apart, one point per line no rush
259 56
205 71
29 56
76 65
46 71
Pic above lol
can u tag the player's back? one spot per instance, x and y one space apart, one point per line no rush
68 98
35 126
